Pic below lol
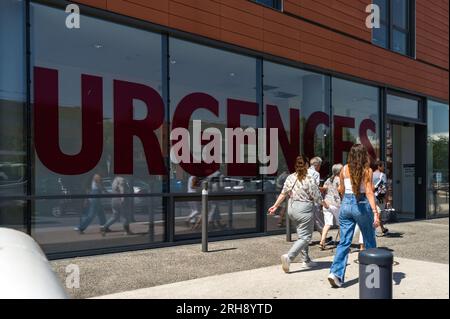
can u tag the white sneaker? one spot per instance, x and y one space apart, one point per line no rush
309 264
334 281
285 263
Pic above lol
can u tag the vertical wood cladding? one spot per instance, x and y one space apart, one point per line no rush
337 40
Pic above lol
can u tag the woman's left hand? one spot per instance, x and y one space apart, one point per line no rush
272 210
377 221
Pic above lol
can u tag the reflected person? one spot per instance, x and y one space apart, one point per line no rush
94 206
119 207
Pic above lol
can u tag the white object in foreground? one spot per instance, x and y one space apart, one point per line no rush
25 272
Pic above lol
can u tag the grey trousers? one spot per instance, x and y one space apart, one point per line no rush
302 215
319 221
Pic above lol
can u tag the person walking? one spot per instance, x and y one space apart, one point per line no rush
358 207
279 184
314 172
192 187
333 199
303 192
119 206
380 190
94 206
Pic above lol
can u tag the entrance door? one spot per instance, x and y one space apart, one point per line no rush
401 168
404 169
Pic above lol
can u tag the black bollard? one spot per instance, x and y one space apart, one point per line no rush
205 217
375 274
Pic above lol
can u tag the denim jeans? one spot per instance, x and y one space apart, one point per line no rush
95 208
119 210
352 212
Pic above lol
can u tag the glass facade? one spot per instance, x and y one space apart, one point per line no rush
97 111
13 131
296 102
356 118
112 120
215 90
437 159
403 107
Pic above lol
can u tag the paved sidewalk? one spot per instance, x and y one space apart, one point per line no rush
115 273
413 279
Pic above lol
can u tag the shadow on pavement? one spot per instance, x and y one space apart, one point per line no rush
393 235
398 277
350 283
219 250
320 265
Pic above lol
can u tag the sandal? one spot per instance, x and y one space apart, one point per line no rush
322 246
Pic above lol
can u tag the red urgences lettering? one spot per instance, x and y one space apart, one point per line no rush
46 127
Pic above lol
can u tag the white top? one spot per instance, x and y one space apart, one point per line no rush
348 184
192 188
303 191
314 174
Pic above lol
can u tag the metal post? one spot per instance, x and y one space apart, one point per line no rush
375 274
288 223
205 217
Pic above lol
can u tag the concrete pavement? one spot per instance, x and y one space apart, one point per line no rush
412 279
115 273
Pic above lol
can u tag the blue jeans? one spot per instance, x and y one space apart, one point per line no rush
95 208
352 212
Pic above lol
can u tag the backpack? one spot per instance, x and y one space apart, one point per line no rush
380 188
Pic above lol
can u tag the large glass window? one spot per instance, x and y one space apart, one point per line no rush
401 106
396 26
355 118
438 154
297 103
12 112
212 90
98 115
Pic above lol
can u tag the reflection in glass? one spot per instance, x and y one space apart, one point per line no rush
438 165
400 16
297 101
223 216
12 97
401 106
380 36
56 223
94 50
356 118
205 81
400 41
12 214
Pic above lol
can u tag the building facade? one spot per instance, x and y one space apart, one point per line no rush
102 99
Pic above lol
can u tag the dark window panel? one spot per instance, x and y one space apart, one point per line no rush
400 13
380 36
399 41
383 5
276 4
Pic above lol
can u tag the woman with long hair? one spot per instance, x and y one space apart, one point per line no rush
357 208
303 192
